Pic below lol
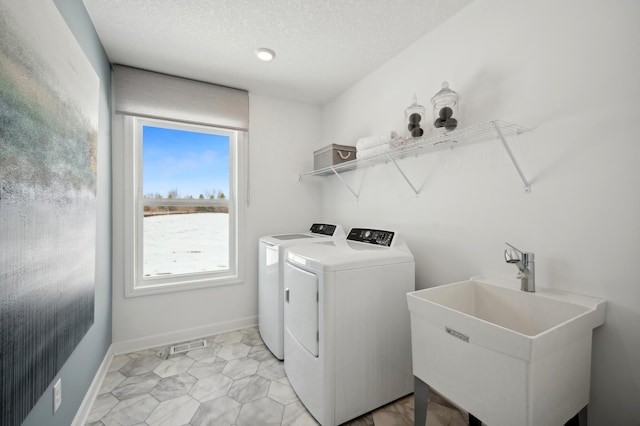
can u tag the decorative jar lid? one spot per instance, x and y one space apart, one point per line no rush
445 93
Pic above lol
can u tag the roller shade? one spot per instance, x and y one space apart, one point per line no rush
154 95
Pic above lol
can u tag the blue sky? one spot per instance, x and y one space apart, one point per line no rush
193 163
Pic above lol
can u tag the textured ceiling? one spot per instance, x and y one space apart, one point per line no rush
322 46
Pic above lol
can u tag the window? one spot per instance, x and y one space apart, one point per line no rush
183 194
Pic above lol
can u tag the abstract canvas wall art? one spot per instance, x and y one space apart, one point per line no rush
48 139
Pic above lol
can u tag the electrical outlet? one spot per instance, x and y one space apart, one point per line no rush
57 395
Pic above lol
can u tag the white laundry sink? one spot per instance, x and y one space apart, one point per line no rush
506 356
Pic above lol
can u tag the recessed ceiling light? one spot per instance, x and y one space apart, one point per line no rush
265 54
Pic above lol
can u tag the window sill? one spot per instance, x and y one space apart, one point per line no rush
177 285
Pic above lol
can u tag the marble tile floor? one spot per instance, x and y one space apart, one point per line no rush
235 380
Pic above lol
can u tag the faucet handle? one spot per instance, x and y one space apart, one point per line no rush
519 251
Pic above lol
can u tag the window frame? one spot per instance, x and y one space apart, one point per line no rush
135 283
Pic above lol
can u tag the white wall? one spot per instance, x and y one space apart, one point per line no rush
282 135
569 69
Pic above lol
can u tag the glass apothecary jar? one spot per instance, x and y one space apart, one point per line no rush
445 108
414 119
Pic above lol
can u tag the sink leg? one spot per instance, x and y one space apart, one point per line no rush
420 397
579 419
582 416
474 421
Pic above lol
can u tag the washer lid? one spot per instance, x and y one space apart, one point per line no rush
292 236
337 255
318 232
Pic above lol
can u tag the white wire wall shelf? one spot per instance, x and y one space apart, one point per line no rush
490 130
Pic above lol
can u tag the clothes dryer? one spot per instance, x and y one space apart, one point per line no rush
347 326
270 277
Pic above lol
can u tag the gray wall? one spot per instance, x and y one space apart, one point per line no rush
81 367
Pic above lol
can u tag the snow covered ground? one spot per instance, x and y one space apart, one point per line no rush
185 243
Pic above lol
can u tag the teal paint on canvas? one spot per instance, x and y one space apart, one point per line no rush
48 137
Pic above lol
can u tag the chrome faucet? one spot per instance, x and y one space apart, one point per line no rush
525 262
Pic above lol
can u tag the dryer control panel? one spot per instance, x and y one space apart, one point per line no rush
324 229
371 236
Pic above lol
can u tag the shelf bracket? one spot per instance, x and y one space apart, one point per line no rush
355 194
403 175
527 185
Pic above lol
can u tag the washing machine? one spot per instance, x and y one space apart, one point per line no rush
270 279
347 342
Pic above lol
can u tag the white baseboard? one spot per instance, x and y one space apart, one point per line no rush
133 345
87 402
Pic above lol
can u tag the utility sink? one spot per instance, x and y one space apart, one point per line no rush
506 356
